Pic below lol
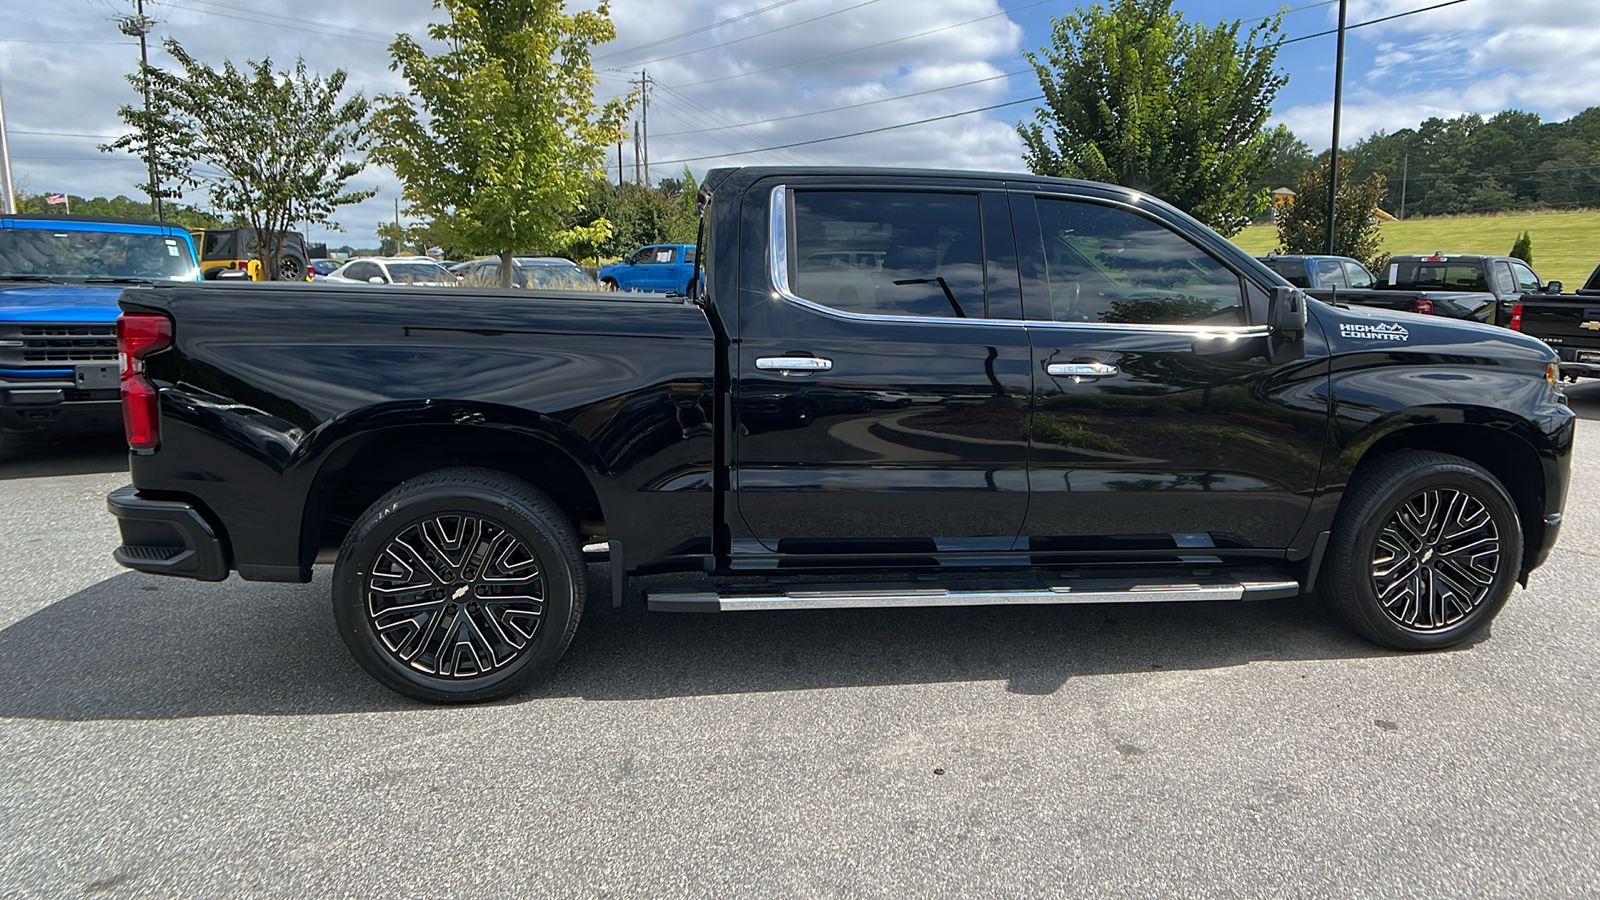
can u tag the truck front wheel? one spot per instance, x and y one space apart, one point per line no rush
1424 551
459 586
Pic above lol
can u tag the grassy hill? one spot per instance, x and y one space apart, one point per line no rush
1566 245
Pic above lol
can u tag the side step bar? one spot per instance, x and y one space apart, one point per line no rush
1066 590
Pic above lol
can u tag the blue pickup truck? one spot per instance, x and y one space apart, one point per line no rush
658 268
59 281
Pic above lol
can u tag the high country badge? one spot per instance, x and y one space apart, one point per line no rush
1383 331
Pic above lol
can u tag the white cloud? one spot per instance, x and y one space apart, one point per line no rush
76 88
1483 57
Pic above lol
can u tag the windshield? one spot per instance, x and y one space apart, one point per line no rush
77 254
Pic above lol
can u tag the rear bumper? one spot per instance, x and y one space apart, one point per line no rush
166 537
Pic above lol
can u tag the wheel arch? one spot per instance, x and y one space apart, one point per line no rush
1504 447
361 466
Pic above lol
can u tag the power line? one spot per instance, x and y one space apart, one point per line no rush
1413 12
702 30
840 137
300 27
715 116
868 46
751 37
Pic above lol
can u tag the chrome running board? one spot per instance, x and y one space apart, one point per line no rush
1065 590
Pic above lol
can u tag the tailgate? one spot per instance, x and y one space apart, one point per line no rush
1572 327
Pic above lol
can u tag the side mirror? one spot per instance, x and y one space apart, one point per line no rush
1553 287
376 279
1286 315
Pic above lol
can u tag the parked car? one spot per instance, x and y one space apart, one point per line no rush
1173 422
1338 279
59 281
393 270
231 250
320 269
658 268
550 272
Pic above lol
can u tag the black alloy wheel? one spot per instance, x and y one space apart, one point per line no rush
291 268
1424 552
461 585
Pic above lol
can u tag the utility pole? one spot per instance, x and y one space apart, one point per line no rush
8 201
619 160
1405 164
644 83
1333 157
139 25
398 247
637 178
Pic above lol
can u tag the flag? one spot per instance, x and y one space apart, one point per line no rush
55 198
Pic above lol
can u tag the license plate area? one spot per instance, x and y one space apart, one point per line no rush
96 376
1587 356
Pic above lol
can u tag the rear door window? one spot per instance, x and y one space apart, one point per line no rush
895 253
1527 282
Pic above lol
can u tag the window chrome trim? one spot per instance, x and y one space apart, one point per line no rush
778 272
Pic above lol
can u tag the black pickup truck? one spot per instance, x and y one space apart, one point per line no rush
897 388
1569 323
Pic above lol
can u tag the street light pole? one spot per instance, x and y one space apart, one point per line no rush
1333 156
8 202
139 25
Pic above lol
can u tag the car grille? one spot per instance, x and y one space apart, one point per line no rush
51 344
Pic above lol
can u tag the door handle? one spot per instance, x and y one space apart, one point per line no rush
1081 370
797 365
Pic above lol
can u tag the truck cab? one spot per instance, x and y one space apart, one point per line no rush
657 268
59 281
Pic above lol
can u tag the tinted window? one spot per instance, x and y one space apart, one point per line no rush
688 256
361 271
1527 282
1330 273
1357 275
415 273
664 255
643 256
1504 281
1442 276
1110 265
889 253
1292 270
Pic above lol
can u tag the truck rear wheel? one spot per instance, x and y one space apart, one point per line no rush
1424 551
459 586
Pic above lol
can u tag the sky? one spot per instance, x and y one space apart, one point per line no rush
732 77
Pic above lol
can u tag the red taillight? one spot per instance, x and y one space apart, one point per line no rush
138 336
1424 307
1516 317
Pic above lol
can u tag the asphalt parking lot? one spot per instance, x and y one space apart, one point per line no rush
165 738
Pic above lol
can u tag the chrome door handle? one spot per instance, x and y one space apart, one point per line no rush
1081 370
803 365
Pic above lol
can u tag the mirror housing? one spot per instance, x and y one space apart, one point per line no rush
1286 315
1553 287
376 279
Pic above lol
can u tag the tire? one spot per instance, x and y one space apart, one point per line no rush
1424 552
419 541
608 284
291 268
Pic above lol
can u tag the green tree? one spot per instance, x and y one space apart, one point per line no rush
498 138
1303 225
272 148
118 207
1137 97
1522 248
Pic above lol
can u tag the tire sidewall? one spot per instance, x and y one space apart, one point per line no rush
1457 477
368 539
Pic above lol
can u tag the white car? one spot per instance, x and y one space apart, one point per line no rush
392 270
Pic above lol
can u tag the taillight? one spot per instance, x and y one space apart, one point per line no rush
138 336
1516 317
1424 307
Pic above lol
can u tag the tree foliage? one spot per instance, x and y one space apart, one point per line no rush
1522 248
1303 224
272 148
638 215
118 207
1138 97
497 140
